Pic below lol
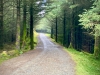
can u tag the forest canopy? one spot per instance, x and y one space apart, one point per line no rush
72 23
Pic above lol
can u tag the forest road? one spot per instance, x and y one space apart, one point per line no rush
47 59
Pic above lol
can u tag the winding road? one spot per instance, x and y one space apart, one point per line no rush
47 59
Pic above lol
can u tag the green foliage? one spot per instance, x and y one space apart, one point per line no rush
13 52
73 6
10 52
5 55
90 19
86 64
96 53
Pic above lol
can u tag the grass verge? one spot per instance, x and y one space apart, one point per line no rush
86 64
9 51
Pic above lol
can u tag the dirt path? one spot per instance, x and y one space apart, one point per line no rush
46 59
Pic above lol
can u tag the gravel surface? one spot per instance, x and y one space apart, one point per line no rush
47 59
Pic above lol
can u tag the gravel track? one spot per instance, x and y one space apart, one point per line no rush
47 59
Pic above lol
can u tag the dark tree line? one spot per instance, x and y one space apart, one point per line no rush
67 19
17 20
65 28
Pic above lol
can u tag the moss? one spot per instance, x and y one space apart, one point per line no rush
86 64
4 53
96 52
10 51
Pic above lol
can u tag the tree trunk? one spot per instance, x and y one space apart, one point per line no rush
31 26
24 32
64 29
56 39
72 37
52 31
1 24
18 26
97 47
72 28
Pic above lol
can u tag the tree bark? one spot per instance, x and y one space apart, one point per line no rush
56 39
18 26
1 24
52 31
31 26
97 47
72 37
64 29
24 32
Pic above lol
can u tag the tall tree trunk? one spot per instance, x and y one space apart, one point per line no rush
18 26
31 26
71 32
97 46
64 29
72 29
12 35
1 24
52 31
24 32
56 35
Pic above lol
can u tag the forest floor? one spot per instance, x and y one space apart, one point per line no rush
48 58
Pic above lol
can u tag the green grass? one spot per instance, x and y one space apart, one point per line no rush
9 51
86 64
48 35
5 55
35 38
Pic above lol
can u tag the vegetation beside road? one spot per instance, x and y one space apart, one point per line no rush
6 54
86 64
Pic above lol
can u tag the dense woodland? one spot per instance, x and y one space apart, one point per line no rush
72 23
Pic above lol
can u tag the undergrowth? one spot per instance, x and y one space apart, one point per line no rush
86 64
9 50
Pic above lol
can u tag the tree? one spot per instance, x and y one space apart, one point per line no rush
15 28
18 26
1 24
64 28
56 34
24 29
31 25
90 19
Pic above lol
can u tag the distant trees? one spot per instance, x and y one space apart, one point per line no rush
62 16
66 28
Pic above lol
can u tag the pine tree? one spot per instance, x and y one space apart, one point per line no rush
1 24
90 20
18 26
24 29
31 25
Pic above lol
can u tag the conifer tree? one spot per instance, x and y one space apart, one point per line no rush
18 26
1 24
